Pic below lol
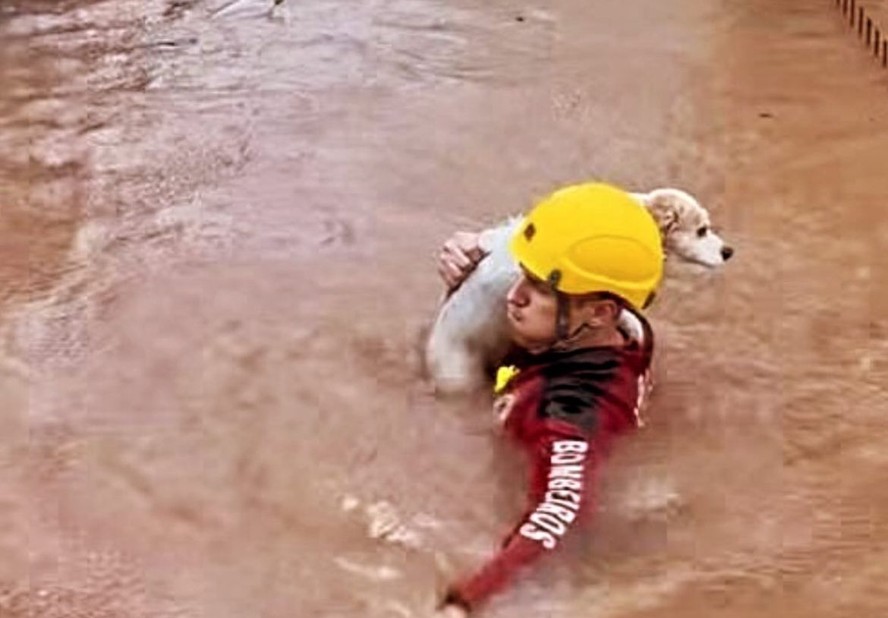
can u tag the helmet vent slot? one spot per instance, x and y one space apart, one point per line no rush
529 231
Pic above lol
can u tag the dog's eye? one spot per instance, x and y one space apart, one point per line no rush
702 231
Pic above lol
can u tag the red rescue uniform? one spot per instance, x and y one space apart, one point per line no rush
564 408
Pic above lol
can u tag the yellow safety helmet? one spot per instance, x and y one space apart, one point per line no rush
592 237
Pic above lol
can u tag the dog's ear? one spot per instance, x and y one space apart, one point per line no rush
664 209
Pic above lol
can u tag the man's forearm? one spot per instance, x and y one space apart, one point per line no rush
558 494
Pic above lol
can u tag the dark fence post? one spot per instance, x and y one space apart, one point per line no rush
873 36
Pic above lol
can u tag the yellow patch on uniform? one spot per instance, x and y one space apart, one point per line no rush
504 375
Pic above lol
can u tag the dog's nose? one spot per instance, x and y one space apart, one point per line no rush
727 252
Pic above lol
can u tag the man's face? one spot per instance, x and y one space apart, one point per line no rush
532 310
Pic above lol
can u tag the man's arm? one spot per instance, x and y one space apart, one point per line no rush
558 493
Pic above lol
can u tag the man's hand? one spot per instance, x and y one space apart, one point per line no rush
458 257
447 611
451 611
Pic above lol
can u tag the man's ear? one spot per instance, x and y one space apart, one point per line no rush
597 312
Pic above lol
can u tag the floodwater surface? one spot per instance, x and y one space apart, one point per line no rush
217 230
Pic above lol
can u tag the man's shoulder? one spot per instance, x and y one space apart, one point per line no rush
577 386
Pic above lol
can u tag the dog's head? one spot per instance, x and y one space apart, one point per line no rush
685 227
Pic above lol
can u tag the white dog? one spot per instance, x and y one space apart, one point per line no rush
470 334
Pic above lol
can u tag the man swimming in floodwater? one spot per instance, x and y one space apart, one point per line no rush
587 253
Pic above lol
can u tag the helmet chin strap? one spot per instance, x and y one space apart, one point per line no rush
562 317
563 336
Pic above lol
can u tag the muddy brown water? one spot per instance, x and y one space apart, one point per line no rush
216 239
